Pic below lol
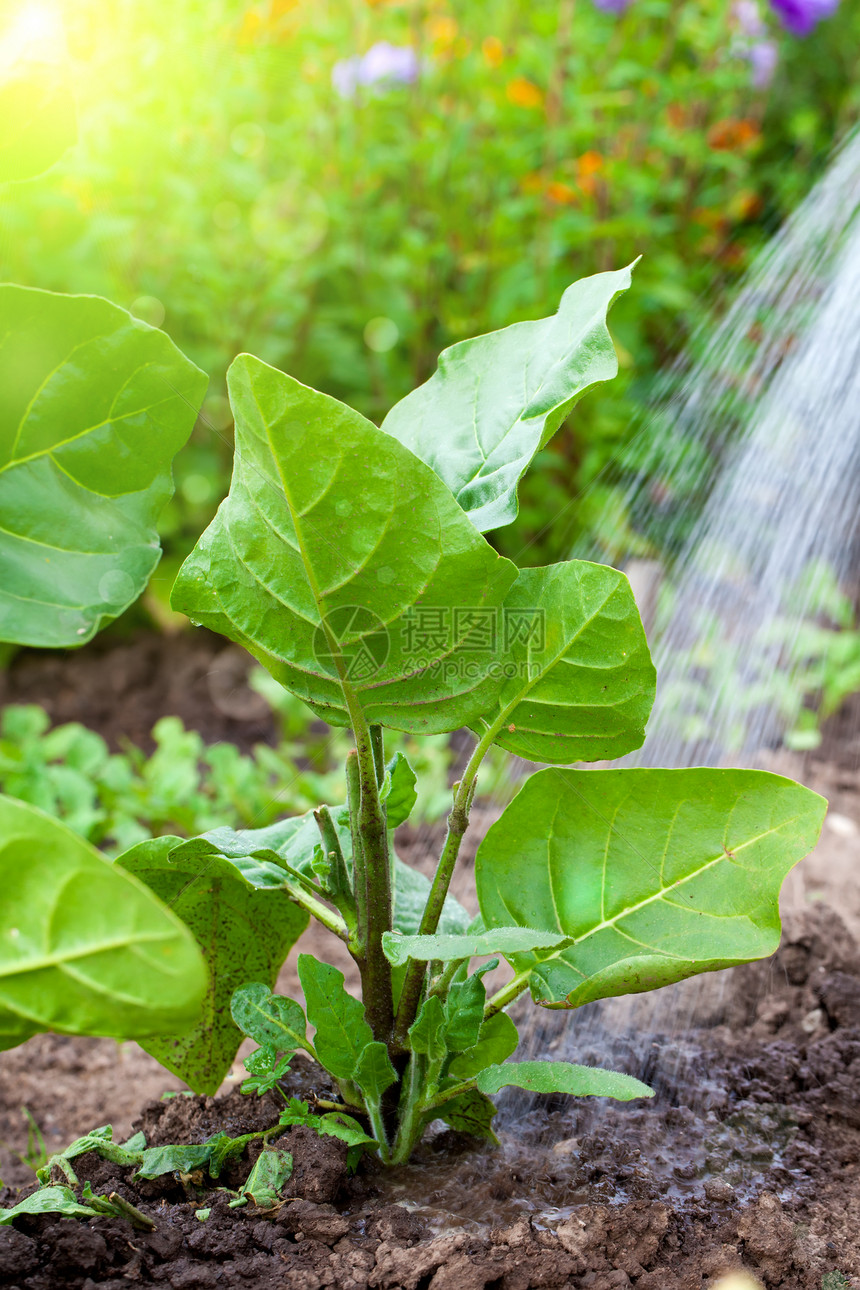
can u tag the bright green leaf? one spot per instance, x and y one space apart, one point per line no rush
374 1072
94 406
427 1032
269 1018
85 948
498 1038
562 1077
464 1010
495 400
309 566
342 1032
402 793
499 940
657 874
48 1200
243 931
583 682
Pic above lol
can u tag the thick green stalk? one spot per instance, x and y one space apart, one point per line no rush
458 822
500 1000
375 897
410 1111
353 798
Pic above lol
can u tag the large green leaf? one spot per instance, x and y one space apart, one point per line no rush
562 1077
495 400
342 1032
244 932
331 540
84 947
579 681
94 405
658 874
497 1039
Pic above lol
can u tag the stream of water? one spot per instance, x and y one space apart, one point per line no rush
760 439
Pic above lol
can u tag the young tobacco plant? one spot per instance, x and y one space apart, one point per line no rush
351 561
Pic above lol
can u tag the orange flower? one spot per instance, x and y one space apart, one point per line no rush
677 115
733 135
523 93
588 166
745 205
442 30
493 51
561 194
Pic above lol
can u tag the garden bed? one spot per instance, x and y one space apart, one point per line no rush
748 1157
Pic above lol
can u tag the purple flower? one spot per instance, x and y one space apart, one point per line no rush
747 16
383 65
800 16
612 6
763 57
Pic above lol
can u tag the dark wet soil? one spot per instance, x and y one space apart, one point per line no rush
119 686
748 1158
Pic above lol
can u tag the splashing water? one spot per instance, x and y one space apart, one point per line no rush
761 444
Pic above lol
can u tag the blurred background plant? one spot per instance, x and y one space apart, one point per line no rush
187 787
344 187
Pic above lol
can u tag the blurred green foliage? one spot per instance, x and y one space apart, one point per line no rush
187 787
222 186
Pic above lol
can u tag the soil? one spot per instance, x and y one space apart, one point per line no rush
747 1158
119 686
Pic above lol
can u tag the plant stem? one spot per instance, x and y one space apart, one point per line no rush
500 1000
373 896
321 912
458 822
353 799
410 1111
341 890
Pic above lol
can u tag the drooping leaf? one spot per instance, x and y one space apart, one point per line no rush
37 120
446 946
101 1142
243 931
269 1018
658 874
48 1200
562 1077
342 1032
85 948
472 1112
272 1170
498 1038
401 794
495 400
579 681
335 1124
94 405
175 1158
374 1072
427 1032
309 566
